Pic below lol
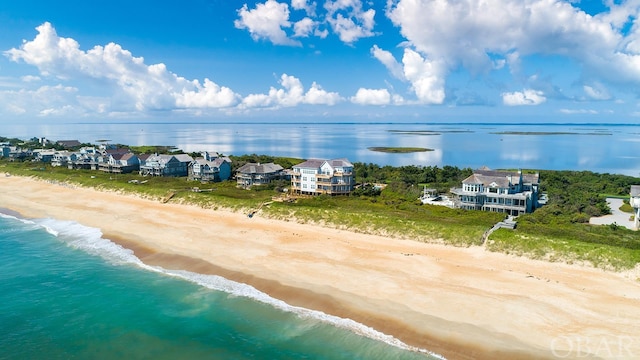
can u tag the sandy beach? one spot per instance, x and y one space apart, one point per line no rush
463 303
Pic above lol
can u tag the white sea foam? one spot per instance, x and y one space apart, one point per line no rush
219 283
91 241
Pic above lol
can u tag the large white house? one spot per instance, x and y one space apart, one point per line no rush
513 193
634 201
317 176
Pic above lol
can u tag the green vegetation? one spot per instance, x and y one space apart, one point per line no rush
154 149
395 211
558 231
285 162
398 149
626 207
412 176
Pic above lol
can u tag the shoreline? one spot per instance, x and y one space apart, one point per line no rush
462 303
311 300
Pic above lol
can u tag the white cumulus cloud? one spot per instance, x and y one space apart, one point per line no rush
140 86
525 97
371 97
43 101
291 93
482 36
304 27
349 20
272 21
309 7
387 59
267 21
426 77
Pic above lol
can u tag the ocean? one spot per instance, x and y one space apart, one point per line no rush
604 148
68 293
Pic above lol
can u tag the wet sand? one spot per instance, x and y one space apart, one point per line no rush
463 303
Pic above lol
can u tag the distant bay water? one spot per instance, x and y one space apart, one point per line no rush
68 293
605 148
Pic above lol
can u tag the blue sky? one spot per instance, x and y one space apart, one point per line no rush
388 60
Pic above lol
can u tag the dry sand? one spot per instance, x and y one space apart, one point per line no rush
464 303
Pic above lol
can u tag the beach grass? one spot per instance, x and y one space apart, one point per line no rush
390 216
537 236
607 247
403 220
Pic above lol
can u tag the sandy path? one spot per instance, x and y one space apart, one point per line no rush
462 303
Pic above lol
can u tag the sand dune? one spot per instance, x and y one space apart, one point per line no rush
464 303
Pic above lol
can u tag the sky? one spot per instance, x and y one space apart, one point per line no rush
322 60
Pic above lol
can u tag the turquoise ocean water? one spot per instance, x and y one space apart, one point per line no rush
68 293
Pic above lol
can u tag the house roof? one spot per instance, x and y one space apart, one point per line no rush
68 143
635 190
257 168
44 151
212 163
310 164
183 157
502 179
116 151
127 156
316 163
339 162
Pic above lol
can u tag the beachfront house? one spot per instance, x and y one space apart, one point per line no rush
142 159
105 154
7 150
210 168
86 158
119 163
44 155
15 153
166 165
513 193
63 158
251 174
85 161
317 176
634 201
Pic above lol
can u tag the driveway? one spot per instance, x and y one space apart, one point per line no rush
617 216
